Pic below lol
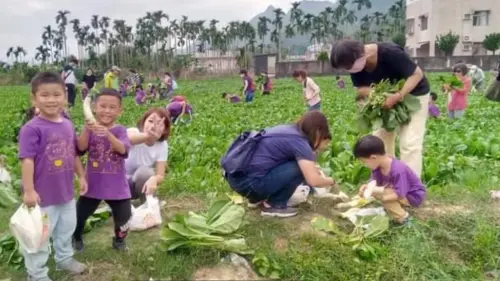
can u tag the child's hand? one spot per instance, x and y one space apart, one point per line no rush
378 195
31 198
100 130
362 190
83 186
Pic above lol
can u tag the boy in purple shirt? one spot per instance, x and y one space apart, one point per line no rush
230 98
48 154
402 186
107 144
433 109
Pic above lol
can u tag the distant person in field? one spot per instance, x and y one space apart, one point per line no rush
340 82
168 81
108 146
178 98
150 92
147 158
402 186
89 81
493 92
49 161
178 110
374 62
140 95
459 96
112 78
231 98
433 108
477 76
267 85
69 78
248 86
124 88
280 162
134 79
310 90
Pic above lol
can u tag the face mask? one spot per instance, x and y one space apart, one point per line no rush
358 65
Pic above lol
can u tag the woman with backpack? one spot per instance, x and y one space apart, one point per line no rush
266 167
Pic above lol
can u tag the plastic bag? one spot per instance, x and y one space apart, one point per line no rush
147 215
30 226
299 196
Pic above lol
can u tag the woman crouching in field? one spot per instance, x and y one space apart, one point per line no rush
178 109
280 162
147 158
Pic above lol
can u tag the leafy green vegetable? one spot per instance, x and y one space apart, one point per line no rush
266 267
8 197
215 229
10 253
451 80
97 219
372 116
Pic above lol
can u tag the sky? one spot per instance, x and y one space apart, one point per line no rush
22 21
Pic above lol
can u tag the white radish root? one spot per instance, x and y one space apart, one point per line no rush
87 110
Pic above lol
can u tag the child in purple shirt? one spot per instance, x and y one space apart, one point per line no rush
48 154
124 88
140 95
340 82
402 185
178 109
433 109
107 144
231 98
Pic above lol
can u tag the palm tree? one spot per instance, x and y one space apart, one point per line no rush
62 20
42 54
278 26
10 52
19 52
48 37
263 29
104 25
362 3
94 23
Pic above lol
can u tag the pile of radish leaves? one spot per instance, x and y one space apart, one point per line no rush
373 116
451 80
214 229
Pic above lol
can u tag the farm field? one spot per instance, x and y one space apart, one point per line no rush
456 236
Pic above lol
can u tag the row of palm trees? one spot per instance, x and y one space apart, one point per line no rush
156 37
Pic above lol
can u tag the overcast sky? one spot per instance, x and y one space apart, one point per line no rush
22 21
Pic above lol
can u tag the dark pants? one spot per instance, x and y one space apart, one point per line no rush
138 180
121 210
314 107
249 96
266 93
277 186
71 94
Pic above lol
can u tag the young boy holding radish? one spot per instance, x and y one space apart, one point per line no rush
49 158
402 187
107 144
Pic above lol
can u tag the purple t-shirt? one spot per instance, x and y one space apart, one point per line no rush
235 99
404 182
341 84
276 150
433 110
249 80
139 95
175 108
52 146
267 84
106 176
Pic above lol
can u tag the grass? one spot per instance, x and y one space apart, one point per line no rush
456 236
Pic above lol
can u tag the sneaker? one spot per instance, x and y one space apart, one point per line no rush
406 222
38 279
278 212
119 244
72 266
78 245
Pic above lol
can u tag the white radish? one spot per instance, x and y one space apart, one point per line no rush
371 188
87 110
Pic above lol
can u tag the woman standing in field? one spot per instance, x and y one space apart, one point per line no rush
310 90
68 75
89 81
372 63
280 162
147 158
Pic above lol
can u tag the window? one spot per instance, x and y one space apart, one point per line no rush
481 18
423 22
410 26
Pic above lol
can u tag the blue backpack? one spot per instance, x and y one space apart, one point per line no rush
240 153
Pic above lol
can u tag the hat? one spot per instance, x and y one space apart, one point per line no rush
115 68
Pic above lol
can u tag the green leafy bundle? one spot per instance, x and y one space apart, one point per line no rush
260 79
372 116
8 196
97 219
214 229
451 80
10 253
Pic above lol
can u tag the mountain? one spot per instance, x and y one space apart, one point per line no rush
314 8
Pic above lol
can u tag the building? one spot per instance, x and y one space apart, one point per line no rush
471 19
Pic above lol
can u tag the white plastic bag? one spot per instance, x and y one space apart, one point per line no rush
371 188
353 213
299 196
30 226
147 215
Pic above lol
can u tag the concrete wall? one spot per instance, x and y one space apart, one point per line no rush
431 64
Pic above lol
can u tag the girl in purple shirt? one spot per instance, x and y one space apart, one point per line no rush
402 185
178 109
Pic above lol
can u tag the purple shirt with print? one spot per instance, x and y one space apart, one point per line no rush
276 150
403 181
52 146
433 110
106 176
175 108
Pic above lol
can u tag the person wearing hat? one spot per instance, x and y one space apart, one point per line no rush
477 75
112 78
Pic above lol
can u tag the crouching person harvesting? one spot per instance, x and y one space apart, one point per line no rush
48 154
107 144
402 186
283 157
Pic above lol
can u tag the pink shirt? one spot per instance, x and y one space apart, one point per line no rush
459 96
311 92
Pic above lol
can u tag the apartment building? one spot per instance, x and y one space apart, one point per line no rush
471 19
